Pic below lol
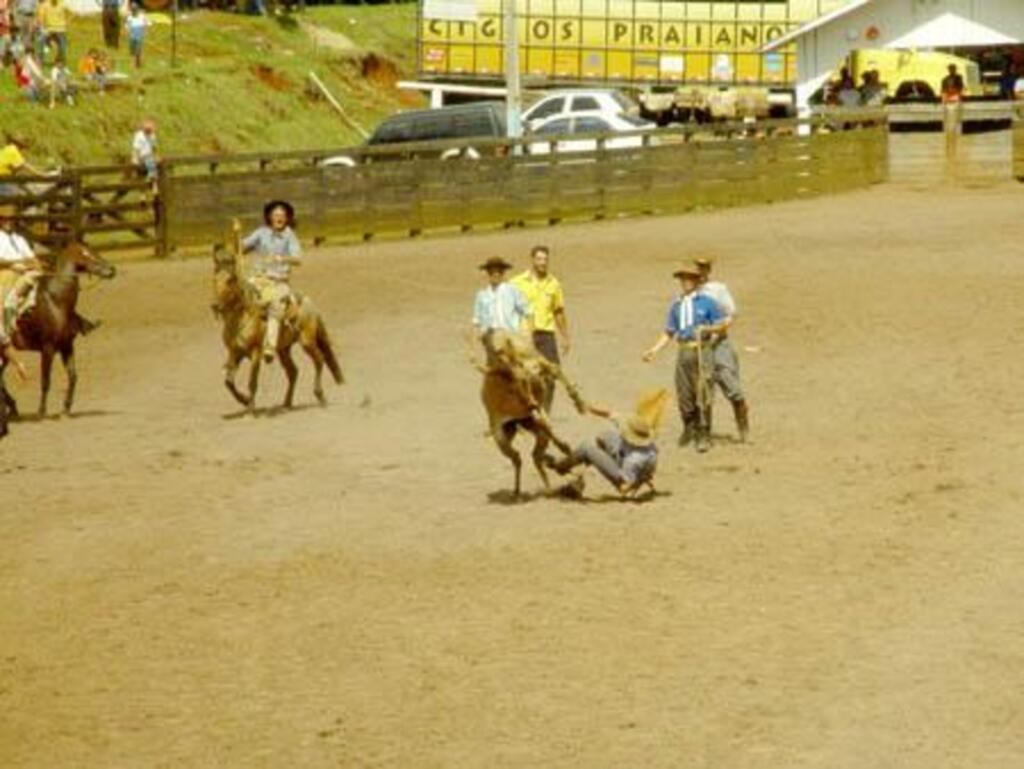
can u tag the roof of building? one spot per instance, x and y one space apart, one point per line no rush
817 23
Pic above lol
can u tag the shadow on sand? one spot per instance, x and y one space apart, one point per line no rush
35 418
571 492
270 411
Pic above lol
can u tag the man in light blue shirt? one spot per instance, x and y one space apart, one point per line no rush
499 306
277 250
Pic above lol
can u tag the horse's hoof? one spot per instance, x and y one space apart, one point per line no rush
321 399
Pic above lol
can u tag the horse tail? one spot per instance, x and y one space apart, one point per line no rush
323 343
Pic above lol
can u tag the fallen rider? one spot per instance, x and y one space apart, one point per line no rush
626 456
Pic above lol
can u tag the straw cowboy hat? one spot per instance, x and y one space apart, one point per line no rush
289 210
637 431
496 263
704 262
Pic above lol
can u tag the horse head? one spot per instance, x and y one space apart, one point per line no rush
227 288
79 259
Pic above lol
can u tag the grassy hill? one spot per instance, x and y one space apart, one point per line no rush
240 83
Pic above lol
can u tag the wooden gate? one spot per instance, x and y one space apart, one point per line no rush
109 208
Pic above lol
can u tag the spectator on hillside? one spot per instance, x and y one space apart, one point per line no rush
28 76
94 68
61 86
25 21
136 23
12 161
6 25
110 18
144 152
54 17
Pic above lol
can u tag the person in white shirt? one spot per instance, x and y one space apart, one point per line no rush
499 305
726 372
144 155
19 272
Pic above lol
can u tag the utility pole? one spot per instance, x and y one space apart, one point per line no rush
174 33
513 92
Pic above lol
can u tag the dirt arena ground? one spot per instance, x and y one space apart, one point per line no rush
183 587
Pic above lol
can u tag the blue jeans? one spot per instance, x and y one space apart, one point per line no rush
61 41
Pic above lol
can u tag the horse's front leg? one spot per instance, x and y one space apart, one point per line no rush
230 374
291 371
254 380
46 368
67 357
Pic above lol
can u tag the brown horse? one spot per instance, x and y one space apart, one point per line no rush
515 382
235 303
52 324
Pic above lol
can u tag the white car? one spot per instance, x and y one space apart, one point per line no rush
563 126
605 101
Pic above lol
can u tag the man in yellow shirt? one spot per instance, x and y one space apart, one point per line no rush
12 161
547 310
54 17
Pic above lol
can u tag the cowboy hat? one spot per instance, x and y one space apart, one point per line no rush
495 263
637 431
687 272
289 210
703 262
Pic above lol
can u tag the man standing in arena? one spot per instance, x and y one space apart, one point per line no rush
543 292
726 366
693 318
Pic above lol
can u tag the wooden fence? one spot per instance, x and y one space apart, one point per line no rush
970 143
108 207
363 192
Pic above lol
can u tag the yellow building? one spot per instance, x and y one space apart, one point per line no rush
636 42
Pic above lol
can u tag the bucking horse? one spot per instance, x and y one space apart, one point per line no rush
515 380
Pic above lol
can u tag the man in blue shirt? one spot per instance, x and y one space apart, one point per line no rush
692 319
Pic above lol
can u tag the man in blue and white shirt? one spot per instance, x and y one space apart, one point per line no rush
693 318
499 306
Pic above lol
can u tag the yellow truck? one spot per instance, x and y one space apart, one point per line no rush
685 59
896 68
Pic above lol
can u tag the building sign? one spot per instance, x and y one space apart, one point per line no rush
674 41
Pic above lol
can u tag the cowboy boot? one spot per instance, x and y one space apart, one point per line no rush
742 414
702 440
689 431
560 466
86 326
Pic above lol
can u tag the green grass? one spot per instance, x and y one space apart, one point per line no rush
240 84
386 29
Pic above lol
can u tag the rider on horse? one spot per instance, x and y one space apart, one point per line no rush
19 273
277 251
